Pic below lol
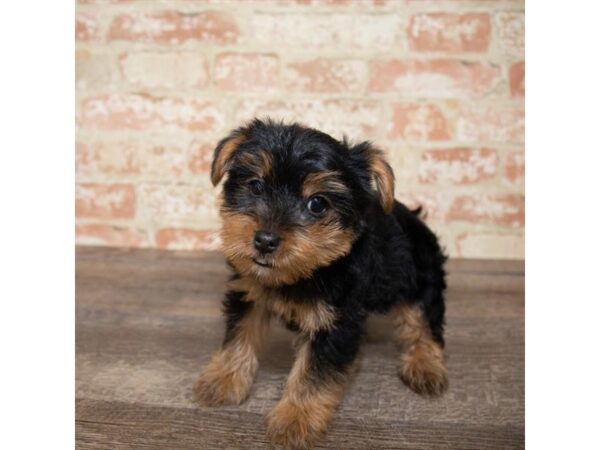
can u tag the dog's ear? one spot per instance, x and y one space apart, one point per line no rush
380 172
223 153
384 179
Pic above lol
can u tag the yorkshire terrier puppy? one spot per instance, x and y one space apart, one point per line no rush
315 238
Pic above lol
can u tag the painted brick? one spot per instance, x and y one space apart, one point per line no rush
490 123
494 209
318 2
335 3
440 78
144 112
165 70
187 239
105 201
404 161
102 2
109 235
419 122
516 77
492 245
135 157
180 203
87 27
92 70
367 31
246 71
448 32
514 168
430 203
201 158
82 158
511 34
458 166
358 119
326 75
437 85
170 27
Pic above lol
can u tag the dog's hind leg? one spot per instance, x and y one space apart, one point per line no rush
422 364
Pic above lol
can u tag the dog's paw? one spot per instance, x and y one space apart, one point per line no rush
222 384
294 426
423 370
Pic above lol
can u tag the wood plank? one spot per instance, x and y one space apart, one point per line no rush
198 301
497 266
156 360
103 424
147 321
151 256
486 282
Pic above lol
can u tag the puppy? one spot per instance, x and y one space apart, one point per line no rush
315 239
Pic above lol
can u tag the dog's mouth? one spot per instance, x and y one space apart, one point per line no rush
263 262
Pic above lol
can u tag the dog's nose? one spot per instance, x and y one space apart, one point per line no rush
266 241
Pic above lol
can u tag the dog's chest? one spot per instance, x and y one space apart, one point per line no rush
308 315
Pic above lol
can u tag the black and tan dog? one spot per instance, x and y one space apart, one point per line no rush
315 238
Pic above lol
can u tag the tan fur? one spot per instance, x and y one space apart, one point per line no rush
219 166
229 376
422 366
323 182
301 252
260 162
384 180
310 317
306 408
237 233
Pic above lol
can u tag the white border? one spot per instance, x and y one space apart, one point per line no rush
562 237
563 225
37 226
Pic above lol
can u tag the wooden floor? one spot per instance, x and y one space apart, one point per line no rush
147 321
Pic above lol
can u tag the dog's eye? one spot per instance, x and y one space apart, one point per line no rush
317 205
257 187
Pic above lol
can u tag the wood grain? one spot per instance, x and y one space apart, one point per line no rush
148 320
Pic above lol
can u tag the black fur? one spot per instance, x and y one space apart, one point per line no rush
394 258
234 310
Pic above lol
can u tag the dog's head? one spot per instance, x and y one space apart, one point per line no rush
294 198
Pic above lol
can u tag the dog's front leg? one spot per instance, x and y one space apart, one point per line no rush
314 388
229 375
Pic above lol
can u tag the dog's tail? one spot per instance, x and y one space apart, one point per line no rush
420 212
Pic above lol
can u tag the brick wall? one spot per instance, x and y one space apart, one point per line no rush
437 84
